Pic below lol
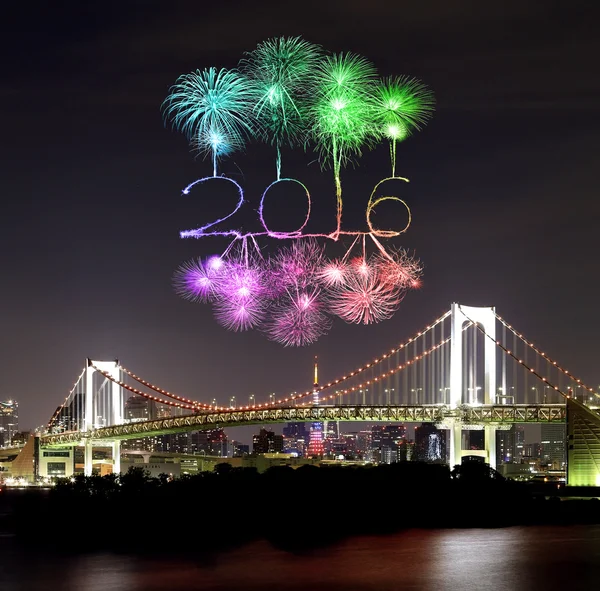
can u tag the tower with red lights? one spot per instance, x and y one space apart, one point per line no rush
315 442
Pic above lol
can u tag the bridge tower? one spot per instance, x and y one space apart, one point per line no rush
115 410
486 318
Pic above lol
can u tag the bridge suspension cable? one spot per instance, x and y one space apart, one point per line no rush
133 390
513 356
58 411
546 357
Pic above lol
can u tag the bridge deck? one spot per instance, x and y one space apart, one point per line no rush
469 416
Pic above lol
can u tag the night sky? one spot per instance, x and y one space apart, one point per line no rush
504 186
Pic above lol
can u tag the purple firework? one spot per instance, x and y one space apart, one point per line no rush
365 298
239 314
299 319
240 281
198 280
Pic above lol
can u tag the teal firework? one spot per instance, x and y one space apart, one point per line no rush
282 73
401 105
213 108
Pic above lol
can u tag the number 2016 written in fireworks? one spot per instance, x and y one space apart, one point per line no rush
298 233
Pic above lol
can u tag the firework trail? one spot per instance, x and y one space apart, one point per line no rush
281 71
401 105
213 108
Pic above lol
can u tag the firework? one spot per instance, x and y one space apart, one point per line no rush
299 319
282 73
342 112
213 109
198 280
333 273
399 270
401 105
364 298
297 265
239 314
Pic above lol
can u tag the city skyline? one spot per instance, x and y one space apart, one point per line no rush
502 191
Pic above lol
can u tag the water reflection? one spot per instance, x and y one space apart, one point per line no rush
519 559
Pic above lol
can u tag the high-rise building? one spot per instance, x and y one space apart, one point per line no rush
267 442
9 421
510 445
295 431
430 444
386 441
553 443
315 442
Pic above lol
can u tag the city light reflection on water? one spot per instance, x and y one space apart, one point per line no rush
515 559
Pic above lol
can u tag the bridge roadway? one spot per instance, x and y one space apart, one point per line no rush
468 416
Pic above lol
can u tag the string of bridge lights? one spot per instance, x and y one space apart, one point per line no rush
520 361
550 360
294 396
162 391
144 394
60 408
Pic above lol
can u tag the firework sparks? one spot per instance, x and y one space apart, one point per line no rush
297 265
333 273
240 313
342 121
213 108
282 73
198 281
401 105
299 320
364 298
399 270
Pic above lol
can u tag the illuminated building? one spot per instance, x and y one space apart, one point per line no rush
510 445
295 446
295 431
430 444
267 442
315 443
9 422
387 441
553 443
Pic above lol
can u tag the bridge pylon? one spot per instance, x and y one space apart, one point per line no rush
115 410
486 318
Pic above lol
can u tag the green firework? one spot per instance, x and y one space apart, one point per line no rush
342 111
282 73
401 105
213 109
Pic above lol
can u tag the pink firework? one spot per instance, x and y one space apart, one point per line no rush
333 273
296 265
400 270
198 280
299 320
362 267
239 314
365 298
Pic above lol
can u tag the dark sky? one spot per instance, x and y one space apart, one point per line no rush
504 186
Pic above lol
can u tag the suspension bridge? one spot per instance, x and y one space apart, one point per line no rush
468 370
